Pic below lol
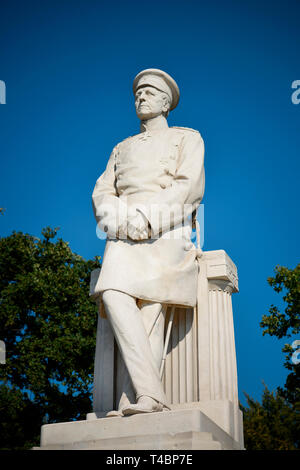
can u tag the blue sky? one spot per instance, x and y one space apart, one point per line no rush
68 68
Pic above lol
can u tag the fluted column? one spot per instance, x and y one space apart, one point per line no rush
216 344
180 375
223 384
201 360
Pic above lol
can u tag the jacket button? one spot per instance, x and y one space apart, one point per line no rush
163 186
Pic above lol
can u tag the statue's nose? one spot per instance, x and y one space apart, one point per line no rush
143 95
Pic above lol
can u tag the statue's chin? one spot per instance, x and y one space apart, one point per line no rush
144 116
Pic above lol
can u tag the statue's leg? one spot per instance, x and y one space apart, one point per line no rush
125 393
153 315
133 342
153 319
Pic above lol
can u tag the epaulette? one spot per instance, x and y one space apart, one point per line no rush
185 129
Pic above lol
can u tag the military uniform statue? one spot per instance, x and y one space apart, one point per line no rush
145 200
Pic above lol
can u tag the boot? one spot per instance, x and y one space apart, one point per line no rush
144 405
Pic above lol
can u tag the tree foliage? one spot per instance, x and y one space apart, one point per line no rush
287 323
48 324
271 424
274 424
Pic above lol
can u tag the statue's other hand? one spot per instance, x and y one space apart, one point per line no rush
137 227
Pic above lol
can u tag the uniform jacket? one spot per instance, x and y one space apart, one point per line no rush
152 172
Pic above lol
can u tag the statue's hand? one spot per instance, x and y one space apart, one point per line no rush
108 225
137 227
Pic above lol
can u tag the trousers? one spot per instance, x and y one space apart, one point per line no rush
139 333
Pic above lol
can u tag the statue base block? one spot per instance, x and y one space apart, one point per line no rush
182 429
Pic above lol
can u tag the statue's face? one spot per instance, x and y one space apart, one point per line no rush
150 103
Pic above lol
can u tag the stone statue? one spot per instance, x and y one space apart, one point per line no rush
165 335
146 200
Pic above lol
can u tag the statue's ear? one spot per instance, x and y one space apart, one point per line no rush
166 106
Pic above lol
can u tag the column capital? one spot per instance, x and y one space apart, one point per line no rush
221 271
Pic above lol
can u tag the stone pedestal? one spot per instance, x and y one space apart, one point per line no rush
172 430
200 378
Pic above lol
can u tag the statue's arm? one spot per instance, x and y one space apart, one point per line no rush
185 193
109 210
